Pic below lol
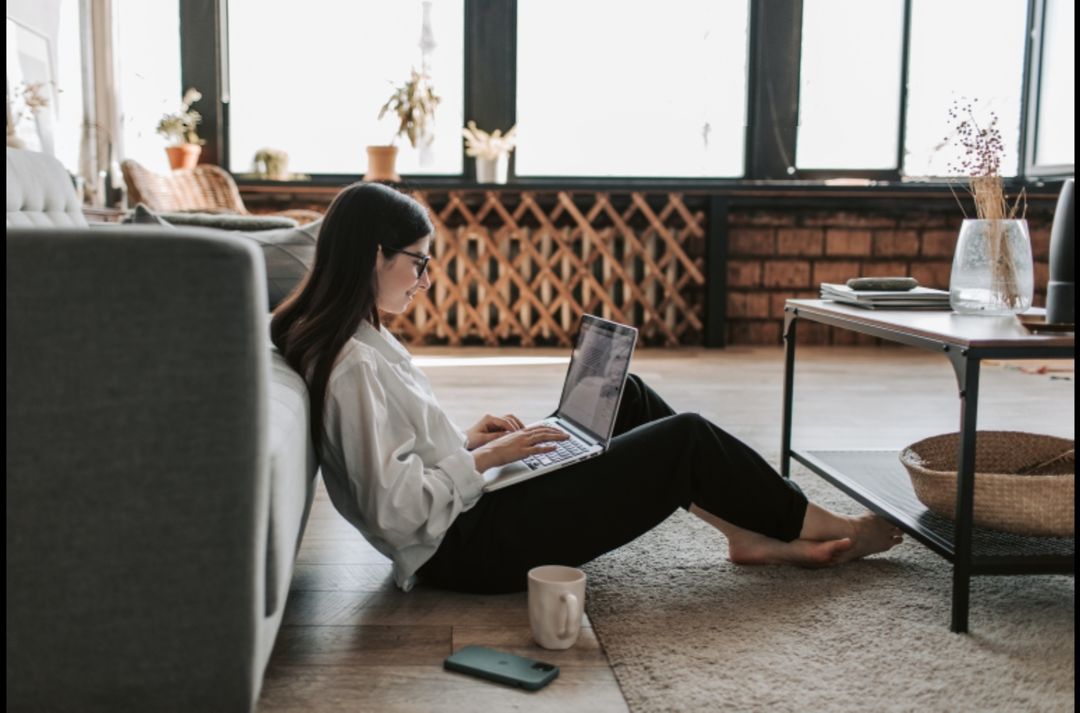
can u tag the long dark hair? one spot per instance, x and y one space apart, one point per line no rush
313 324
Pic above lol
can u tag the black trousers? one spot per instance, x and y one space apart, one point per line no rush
657 462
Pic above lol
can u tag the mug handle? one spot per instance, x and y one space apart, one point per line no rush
571 607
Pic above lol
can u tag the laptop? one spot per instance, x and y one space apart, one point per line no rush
589 404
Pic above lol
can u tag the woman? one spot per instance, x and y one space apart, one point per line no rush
400 471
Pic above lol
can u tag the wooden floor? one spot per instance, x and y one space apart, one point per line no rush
351 642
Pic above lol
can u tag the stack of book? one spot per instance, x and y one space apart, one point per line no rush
915 298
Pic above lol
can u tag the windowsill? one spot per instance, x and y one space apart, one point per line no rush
834 188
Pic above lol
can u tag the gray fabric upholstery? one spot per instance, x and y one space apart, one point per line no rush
141 215
291 456
288 252
159 471
40 192
223 221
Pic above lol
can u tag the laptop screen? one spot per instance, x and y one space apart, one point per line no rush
594 381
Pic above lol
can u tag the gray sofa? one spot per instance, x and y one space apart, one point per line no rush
159 467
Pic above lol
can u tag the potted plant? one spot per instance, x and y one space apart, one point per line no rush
180 129
491 151
272 164
32 98
414 104
992 272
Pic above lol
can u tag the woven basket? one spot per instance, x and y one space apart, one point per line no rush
1024 482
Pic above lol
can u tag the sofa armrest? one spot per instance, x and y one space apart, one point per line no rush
137 469
292 478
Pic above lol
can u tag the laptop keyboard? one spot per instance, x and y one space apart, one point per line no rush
565 450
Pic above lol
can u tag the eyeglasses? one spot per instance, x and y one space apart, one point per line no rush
421 267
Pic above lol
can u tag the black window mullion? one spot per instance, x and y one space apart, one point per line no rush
202 40
773 84
490 69
905 44
1032 78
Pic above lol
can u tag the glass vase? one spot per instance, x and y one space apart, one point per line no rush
992 272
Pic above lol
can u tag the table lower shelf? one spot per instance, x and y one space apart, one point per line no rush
878 480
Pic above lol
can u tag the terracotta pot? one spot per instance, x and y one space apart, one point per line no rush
381 160
183 156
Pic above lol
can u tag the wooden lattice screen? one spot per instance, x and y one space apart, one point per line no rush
521 268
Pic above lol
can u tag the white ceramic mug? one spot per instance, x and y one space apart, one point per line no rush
556 605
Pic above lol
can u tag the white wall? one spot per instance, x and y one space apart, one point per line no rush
40 15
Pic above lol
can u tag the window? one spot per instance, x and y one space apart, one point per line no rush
310 78
611 88
149 68
1054 135
69 101
966 50
849 90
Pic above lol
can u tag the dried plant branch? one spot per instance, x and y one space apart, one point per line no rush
33 97
958 201
981 161
181 127
414 103
481 144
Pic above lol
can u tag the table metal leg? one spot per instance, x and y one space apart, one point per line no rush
791 315
967 378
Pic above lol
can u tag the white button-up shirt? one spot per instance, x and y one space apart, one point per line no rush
394 463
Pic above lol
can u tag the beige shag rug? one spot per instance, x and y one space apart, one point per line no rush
685 630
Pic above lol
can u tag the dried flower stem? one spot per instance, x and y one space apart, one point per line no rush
414 103
182 127
481 144
983 149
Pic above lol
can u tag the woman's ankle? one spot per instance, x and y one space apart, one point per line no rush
820 524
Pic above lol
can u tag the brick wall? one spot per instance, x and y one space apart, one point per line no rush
777 254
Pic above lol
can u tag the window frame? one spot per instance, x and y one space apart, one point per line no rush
1029 127
490 64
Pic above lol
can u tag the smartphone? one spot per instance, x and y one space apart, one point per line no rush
502 667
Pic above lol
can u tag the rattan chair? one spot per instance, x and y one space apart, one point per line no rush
205 188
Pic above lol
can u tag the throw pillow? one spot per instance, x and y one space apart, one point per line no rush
221 221
288 252
227 221
144 216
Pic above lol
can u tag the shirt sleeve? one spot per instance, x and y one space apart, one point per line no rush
401 499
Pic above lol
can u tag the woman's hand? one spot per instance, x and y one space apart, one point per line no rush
517 445
491 427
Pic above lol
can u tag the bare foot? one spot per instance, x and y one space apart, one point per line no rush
759 549
871 534
826 539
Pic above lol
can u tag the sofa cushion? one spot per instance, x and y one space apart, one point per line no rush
144 216
292 471
202 219
287 252
40 193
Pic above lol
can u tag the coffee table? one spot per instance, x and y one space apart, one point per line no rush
878 480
